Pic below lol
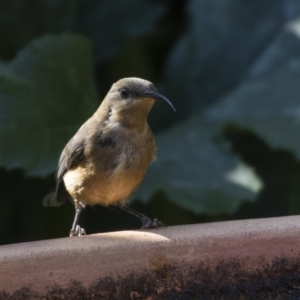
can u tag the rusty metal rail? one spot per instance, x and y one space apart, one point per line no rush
248 259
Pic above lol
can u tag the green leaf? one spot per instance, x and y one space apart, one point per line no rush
221 43
108 23
46 93
268 105
199 173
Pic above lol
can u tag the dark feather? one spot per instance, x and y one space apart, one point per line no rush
69 158
71 155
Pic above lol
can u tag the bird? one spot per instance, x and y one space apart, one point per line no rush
107 158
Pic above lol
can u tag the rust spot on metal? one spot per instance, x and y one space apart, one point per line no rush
160 265
228 280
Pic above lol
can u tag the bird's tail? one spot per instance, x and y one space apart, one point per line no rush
50 200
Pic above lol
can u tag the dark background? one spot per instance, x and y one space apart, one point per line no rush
231 68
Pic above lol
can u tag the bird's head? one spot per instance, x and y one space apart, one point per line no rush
131 99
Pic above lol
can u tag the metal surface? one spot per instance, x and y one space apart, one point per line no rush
186 260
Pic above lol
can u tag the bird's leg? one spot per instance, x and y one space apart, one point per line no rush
76 230
146 221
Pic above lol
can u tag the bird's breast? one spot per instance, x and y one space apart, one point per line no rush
111 175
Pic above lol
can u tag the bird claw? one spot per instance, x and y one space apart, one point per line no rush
77 232
148 223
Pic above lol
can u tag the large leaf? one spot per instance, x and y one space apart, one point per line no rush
268 102
269 105
23 20
221 43
107 23
198 173
46 93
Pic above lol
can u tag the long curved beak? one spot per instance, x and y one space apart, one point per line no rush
157 96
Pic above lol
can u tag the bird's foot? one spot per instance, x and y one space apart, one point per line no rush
77 232
148 223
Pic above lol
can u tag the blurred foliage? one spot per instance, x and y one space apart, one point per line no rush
46 93
197 171
231 69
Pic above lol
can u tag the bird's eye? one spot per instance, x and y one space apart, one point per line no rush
124 92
